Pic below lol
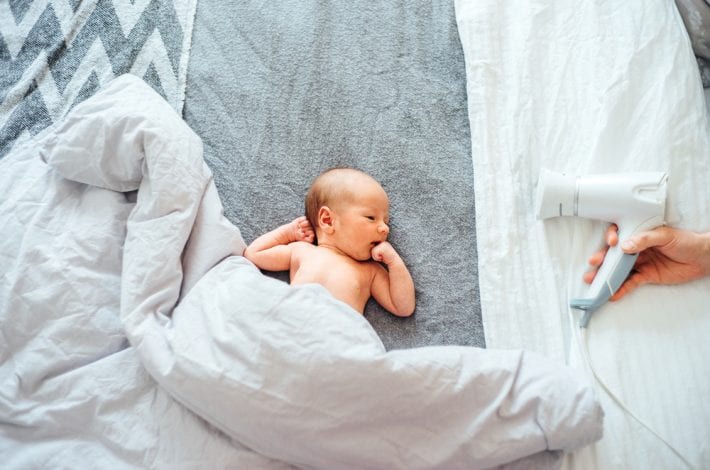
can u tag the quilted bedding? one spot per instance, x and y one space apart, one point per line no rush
126 262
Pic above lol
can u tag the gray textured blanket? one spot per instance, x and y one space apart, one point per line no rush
280 91
55 54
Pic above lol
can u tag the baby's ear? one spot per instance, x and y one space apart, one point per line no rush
325 219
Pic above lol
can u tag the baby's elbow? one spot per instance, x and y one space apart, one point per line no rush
405 311
254 256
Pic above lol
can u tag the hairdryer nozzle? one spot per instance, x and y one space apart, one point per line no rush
556 195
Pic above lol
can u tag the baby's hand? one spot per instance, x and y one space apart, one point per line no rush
384 253
302 230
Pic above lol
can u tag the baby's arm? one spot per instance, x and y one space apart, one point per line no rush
393 287
272 252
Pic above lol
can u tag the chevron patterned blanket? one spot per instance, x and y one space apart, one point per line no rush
55 54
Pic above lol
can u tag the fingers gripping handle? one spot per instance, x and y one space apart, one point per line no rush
613 272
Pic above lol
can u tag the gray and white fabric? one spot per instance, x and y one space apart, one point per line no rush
696 17
56 53
102 280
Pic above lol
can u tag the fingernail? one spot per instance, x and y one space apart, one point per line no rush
628 245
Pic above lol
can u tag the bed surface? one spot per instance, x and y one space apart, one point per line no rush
411 92
280 91
621 93
287 371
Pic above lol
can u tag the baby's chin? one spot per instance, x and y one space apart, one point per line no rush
362 255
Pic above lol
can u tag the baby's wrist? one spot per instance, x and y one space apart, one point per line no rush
394 261
288 233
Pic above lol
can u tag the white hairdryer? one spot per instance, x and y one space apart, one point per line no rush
633 201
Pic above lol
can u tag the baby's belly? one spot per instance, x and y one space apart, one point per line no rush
343 287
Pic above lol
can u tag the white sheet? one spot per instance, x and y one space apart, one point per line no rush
292 373
592 87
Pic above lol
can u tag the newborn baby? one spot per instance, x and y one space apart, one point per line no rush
341 244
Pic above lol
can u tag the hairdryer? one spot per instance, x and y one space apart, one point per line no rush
633 201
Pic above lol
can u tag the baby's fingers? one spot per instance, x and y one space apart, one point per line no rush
304 235
300 232
305 224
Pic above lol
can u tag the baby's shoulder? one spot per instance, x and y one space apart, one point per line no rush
303 244
301 247
373 268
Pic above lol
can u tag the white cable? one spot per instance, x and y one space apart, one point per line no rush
618 401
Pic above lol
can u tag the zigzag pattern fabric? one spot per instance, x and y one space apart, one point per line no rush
56 53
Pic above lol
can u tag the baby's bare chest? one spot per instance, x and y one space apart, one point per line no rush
344 277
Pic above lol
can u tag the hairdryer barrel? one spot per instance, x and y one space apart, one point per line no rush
633 201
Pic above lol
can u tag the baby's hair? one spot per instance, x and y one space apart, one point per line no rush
329 187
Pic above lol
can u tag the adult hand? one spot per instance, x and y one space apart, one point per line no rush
666 256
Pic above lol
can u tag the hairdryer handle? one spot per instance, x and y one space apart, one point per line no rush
614 270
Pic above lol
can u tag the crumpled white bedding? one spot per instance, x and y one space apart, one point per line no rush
288 375
592 87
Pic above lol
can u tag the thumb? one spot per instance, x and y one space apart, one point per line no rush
647 239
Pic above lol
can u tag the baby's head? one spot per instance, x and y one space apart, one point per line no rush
348 210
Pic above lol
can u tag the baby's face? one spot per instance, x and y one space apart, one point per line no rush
362 223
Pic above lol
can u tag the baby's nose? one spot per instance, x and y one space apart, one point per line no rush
383 229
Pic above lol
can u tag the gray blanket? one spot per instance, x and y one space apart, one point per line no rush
280 91
54 54
696 16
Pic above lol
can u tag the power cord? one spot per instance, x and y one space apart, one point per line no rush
587 358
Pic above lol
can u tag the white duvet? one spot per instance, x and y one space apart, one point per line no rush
582 88
102 366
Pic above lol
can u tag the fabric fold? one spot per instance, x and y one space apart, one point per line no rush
288 371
